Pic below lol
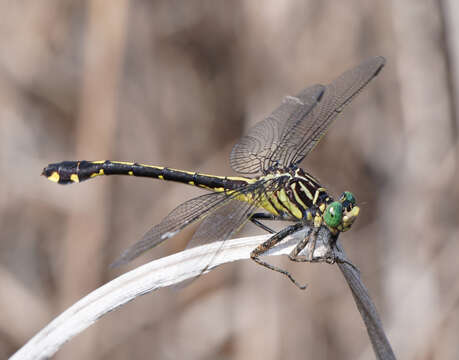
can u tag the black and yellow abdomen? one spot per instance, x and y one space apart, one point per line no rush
68 172
296 194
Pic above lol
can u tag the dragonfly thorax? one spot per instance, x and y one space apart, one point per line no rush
301 197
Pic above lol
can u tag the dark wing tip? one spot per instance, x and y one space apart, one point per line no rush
311 94
379 62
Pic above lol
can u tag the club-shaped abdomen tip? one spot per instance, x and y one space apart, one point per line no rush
60 175
51 173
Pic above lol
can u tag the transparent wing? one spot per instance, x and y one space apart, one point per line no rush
254 152
183 215
197 209
230 217
293 129
298 142
220 225
225 222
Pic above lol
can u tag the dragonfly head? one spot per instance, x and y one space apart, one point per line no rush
340 215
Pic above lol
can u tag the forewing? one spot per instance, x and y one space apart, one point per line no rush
254 152
298 124
298 141
183 215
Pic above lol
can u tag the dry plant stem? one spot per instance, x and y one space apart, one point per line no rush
367 309
179 267
163 272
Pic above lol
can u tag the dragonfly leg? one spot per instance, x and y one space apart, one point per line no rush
255 218
293 256
270 243
331 259
262 226
265 216
311 237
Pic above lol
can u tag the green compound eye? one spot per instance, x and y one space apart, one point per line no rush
334 214
348 196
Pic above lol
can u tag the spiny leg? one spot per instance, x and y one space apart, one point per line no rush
293 256
310 237
270 243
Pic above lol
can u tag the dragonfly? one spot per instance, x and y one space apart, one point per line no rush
271 185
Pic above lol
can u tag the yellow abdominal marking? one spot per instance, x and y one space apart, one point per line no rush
269 202
74 178
262 202
130 163
115 162
54 177
101 172
178 170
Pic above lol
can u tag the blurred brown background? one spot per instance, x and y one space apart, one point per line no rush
176 83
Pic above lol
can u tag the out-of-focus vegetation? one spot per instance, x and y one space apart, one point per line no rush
176 83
